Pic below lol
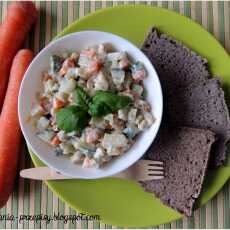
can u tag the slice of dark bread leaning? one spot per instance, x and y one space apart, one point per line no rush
185 153
204 107
177 66
183 73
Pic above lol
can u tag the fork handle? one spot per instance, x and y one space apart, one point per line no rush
45 173
42 173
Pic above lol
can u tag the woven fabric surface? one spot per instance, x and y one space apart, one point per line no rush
33 197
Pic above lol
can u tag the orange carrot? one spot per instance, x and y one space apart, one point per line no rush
19 19
10 133
57 104
55 141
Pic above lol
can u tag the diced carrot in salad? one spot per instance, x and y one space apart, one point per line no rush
55 141
68 63
139 75
46 77
124 63
57 103
94 67
92 135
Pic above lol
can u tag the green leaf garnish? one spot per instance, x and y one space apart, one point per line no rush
72 118
105 102
81 98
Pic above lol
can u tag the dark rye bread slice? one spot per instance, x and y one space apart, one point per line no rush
204 107
185 153
177 66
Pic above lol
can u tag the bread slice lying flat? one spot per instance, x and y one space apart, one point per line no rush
185 153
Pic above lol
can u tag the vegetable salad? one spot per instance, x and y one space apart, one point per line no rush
93 105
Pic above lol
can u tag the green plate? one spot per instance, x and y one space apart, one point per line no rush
121 202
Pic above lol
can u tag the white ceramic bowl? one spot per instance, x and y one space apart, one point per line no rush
32 84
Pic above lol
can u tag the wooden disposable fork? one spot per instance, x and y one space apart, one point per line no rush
143 170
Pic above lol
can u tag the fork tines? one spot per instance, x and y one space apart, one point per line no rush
156 170
155 162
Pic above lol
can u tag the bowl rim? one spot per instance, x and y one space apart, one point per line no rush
66 37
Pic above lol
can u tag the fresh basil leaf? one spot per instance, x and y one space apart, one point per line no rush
81 98
99 109
114 101
72 118
105 102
